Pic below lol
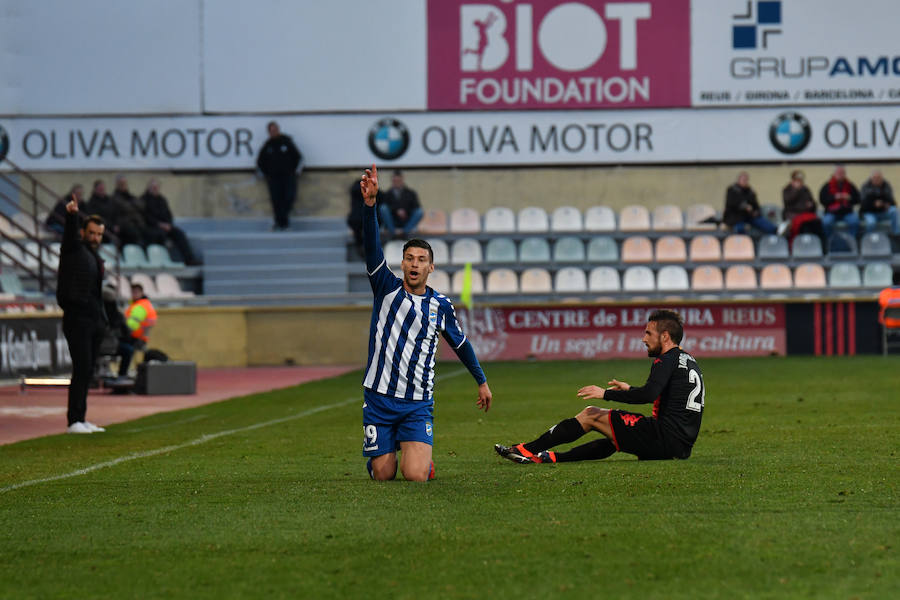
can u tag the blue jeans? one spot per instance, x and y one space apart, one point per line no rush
871 218
387 219
851 219
761 223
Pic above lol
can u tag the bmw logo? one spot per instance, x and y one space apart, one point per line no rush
4 143
790 133
388 139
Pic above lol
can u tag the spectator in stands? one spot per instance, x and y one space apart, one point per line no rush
877 203
742 207
140 317
56 220
799 211
838 195
401 211
101 204
161 224
279 161
129 213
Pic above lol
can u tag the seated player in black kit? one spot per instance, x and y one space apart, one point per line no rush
675 388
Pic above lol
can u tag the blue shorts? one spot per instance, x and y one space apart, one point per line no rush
387 421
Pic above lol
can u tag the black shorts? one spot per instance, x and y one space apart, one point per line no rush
640 435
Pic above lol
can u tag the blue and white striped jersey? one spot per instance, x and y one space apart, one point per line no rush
404 328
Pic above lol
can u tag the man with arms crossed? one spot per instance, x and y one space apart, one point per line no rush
406 318
675 387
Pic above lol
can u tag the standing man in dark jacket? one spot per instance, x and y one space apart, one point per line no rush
79 294
278 160
161 223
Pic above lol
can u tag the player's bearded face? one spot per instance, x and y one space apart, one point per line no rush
651 340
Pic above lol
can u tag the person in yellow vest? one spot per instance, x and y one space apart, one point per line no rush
140 317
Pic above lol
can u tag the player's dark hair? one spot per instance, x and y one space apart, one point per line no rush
668 320
417 243
95 219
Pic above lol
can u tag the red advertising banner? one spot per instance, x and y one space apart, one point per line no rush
598 332
553 54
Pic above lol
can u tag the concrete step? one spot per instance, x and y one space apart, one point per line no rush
270 272
269 240
250 287
200 225
266 257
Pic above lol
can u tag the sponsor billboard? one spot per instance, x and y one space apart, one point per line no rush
33 347
797 52
445 139
495 55
603 332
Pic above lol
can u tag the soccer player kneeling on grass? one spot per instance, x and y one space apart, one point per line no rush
675 387
406 319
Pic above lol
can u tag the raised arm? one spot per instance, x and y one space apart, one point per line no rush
371 242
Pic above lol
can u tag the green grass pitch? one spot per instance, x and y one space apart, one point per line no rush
791 492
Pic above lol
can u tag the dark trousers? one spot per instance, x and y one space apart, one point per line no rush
83 335
282 192
178 237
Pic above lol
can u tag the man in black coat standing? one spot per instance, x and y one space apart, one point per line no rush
278 160
79 294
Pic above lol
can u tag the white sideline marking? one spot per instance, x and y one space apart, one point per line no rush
195 442
164 425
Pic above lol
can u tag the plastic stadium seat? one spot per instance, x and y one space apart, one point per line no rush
638 279
31 255
672 278
740 277
705 248
440 250
671 248
566 218
842 245
877 275
465 250
534 250
393 252
501 250
634 218
158 257
776 277
439 281
570 280
11 253
810 276
502 281
637 249
844 275
147 282
738 246
875 243
168 287
707 278
51 255
477 281
108 253
465 220
120 283
604 279
535 281
434 222
499 219
695 214
668 217
806 245
11 284
773 247
602 249
599 218
133 257
533 219
568 249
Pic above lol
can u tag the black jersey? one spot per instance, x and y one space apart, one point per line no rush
676 389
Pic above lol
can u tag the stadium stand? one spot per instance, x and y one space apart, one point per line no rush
459 278
672 278
707 278
570 280
810 276
393 252
600 219
568 249
439 281
500 250
532 219
440 250
602 249
773 247
667 217
158 257
671 249
705 248
536 281
604 279
638 279
534 250
134 257
842 245
465 250
146 282
168 287
634 218
696 214
738 247
502 281
465 220
637 249
499 219
566 219
875 244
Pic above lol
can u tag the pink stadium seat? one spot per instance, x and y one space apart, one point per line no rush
670 248
637 249
738 246
434 222
776 276
707 278
740 277
705 248
634 218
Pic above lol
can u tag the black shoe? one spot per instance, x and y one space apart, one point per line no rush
516 453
